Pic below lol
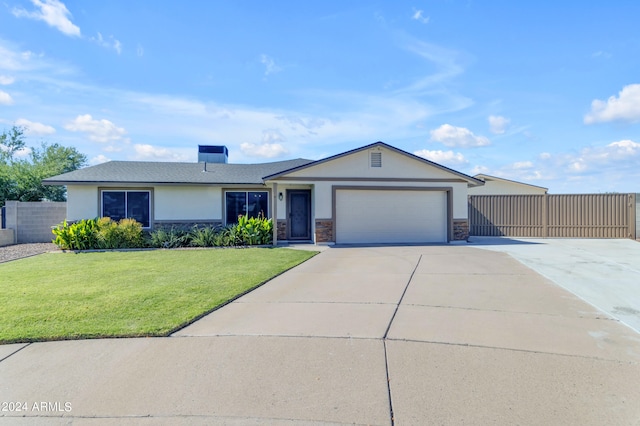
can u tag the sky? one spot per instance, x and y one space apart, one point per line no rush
544 92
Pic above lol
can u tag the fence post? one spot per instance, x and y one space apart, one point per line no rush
545 216
633 216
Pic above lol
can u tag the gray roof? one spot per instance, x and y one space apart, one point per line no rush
174 173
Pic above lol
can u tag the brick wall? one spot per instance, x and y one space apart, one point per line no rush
324 231
32 221
185 225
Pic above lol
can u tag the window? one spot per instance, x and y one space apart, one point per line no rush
131 204
246 203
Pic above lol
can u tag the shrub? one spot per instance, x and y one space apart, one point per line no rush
255 230
101 233
168 238
203 236
82 235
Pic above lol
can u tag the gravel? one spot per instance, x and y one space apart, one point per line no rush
18 251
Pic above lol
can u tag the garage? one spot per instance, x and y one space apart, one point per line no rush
390 215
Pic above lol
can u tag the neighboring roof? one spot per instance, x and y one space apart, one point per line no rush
472 181
484 177
174 173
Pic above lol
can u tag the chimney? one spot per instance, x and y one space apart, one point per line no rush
213 154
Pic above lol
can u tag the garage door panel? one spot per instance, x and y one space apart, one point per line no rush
390 216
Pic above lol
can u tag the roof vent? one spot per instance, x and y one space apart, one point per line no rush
376 159
213 154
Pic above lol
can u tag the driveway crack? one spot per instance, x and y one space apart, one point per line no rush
384 340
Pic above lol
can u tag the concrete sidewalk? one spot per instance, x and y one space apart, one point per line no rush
373 335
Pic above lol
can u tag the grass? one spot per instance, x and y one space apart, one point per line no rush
57 296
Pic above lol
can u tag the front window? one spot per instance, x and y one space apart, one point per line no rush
245 203
127 204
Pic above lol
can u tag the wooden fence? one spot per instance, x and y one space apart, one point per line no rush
555 216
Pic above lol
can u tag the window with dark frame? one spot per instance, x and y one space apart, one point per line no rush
127 204
245 203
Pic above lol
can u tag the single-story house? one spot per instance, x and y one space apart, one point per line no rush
499 186
373 194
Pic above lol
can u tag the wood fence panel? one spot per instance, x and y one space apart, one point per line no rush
556 216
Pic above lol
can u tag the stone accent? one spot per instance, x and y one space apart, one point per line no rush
324 231
31 222
282 229
460 229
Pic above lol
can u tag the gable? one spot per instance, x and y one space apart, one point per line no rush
376 161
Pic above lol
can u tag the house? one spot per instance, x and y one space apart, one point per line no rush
373 194
498 186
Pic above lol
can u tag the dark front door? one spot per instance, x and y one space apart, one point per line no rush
299 206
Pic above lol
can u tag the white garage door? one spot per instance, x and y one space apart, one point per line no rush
390 216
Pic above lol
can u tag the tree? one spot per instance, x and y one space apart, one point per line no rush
21 179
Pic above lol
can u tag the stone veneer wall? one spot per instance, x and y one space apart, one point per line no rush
324 231
460 229
282 229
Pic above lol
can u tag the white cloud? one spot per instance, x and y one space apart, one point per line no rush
264 150
498 124
54 13
97 130
453 136
270 66
442 157
626 107
146 152
34 128
98 159
5 98
522 165
109 43
5 80
418 15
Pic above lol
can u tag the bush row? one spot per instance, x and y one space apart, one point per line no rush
104 233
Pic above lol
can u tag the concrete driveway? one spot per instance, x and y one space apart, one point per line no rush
356 335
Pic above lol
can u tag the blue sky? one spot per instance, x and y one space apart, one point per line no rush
547 92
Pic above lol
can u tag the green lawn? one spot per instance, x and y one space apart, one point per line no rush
137 293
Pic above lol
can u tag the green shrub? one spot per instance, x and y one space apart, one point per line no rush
169 238
254 230
82 235
203 236
101 233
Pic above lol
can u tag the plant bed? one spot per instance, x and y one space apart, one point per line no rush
127 294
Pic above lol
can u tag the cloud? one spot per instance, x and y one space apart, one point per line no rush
54 13
442 157
418 15
265 150
522 165
110 43
6 80
98 159
139 50
619 157
452 136
270 66
626 107
97 130
146 152
34 128
5 98
498 124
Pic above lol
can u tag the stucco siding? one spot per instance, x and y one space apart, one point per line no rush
82 202
494 187
187 203
394 166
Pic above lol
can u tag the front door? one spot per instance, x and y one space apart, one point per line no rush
299 209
